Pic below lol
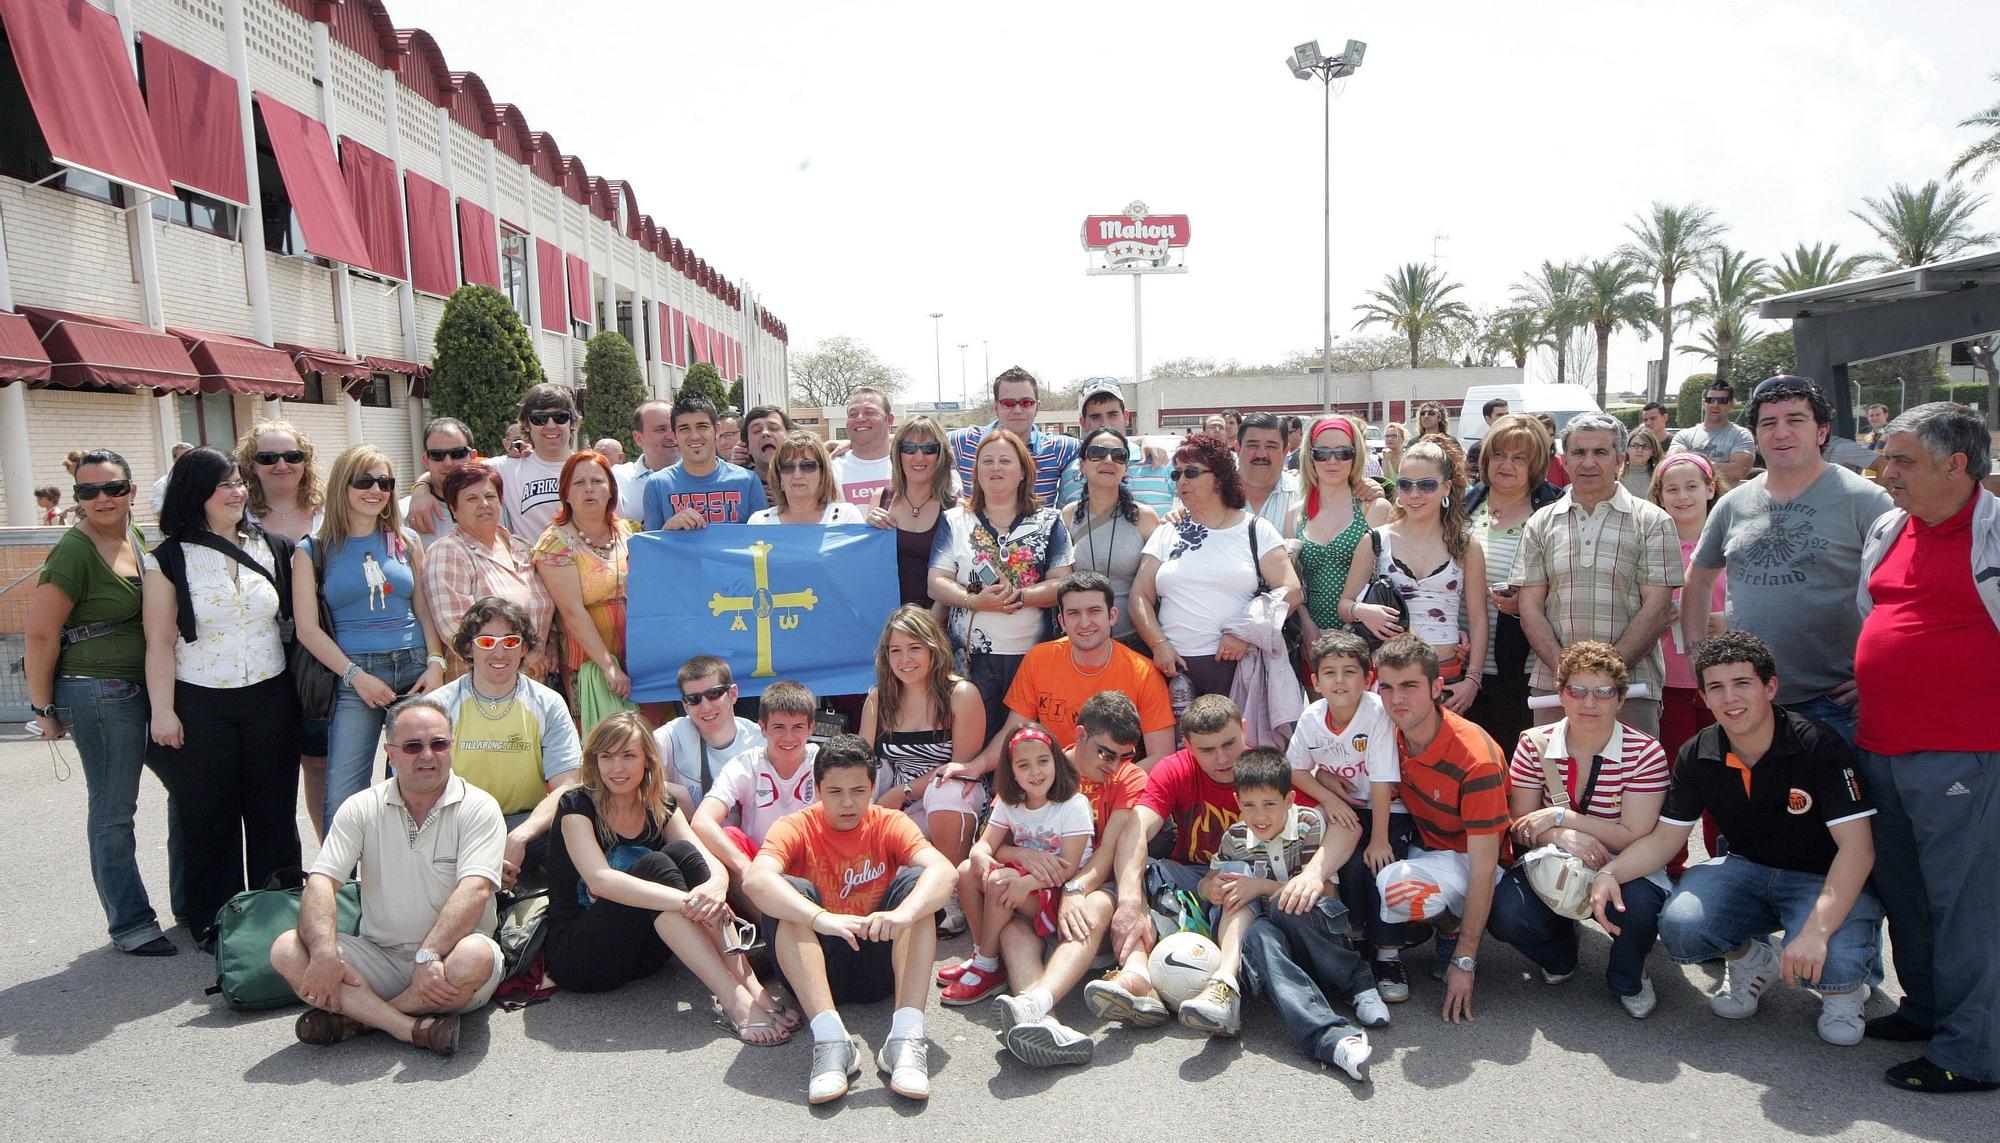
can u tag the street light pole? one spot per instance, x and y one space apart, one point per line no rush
1306 62
937 351
961 370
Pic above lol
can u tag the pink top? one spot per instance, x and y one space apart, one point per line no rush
1678 672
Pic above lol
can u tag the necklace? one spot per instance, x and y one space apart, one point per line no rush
493 708
916 509
601 551
1112 543
1089 672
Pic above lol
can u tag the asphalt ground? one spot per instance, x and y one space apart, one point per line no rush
101 1045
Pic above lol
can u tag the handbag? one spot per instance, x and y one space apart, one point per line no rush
1381 591
251 922
1559 877
312 679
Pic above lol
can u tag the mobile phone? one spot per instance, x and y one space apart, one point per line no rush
986 574
1506 590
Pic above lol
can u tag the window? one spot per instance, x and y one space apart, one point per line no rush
198 211
514 269
625 321
579 330
316 388
208 419
281 226
376 396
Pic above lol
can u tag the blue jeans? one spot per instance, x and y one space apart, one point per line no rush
108 720
1522 919
1845 720
1722 903
1296 961
354 737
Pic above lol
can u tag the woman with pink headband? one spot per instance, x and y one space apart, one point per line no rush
1330 518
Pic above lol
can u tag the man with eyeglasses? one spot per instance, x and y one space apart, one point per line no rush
1103 406
1729 448
701 488
447 444
1791 540
653 430
863 468
697 745
1016 396
429 848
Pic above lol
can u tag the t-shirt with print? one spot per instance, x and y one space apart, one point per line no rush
517 754
681 749
727 495
850 868
1779 811
1793 568
1206 577
98 594
568 895
1045 829
1718 445
1279 858
1362 752
1049 688
1456 788
751 786
1632 763
1119 791
859 479
1200 807
531 491
1036 545
369 588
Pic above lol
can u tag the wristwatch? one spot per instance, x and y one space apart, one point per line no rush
1464 963
48 711
426 956
1072 886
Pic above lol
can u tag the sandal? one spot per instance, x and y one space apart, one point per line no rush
738 1030
436 1034
318 1026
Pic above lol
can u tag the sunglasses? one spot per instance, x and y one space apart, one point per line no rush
559 416
1716 400
488 642
712 694
364 482
289 456
1578 691
788 467
740 936
1324 453
1106 452
447 453
517 447
416 746
1188 473
1427 485
111 488
1018 402
927 448
1110 755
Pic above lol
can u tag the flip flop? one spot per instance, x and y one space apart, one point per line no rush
737 1030
788 1014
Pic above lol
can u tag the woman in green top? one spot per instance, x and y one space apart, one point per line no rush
86 667
1330 518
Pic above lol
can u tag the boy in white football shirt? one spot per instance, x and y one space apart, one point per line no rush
760 785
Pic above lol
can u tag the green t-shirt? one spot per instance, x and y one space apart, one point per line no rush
98 595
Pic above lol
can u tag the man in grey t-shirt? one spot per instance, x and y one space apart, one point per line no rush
1728 447
1791 540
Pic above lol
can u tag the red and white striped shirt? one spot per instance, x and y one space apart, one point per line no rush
1633 764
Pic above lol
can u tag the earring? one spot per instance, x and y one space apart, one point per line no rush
1445 503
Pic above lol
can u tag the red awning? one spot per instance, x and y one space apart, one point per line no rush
397 365
193 108
314 184
430 235
239 365
378 206
579 287
551 293
680 339
666 334
352 375
478 245
88 350
72 59
21 355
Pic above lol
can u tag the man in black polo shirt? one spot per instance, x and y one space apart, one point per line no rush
1783 789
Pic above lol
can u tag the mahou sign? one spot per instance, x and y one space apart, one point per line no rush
1135 237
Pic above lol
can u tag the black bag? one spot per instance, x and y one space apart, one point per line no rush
1381 592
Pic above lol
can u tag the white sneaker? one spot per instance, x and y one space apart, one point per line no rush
1556 977
1217 1010
906 1061
1048 1043
836 1064
1351 1056
1840 1016
1744 980
1640 1004
1012 1010
1370 1009
952 924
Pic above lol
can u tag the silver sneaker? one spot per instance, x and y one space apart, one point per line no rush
1640 1004
1012 1010
906 1061
1370 1009
836 1064
953 923
1744 980
1048 1043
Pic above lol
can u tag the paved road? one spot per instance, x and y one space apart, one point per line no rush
103 1045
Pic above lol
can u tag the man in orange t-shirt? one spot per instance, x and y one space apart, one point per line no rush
848 888
1058 677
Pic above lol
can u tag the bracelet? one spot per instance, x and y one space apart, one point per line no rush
816 917
435 661
1604 873
347 676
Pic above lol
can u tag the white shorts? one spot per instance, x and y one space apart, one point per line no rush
387 972
1426 885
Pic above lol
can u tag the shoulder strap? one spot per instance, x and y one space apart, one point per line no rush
1256 557
706 779
1551 770
173 564
1590 784
1383 560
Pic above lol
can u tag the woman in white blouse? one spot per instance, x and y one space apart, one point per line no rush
802 487
225 720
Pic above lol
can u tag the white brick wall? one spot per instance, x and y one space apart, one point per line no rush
362 110
68 252
513 208
417 121
62 419
325 425
280 55
301 302
468 166
430 311
201 280
389 430
378 323
193 26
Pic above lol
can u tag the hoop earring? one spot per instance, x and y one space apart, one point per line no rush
1444 504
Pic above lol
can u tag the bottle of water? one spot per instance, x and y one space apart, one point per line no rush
1181 693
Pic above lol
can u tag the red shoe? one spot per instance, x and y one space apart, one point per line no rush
949 974
973 986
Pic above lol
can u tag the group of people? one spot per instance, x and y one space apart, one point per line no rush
1089 723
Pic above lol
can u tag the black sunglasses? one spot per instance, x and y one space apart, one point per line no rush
111 488
416 746
1324 453
289 456
1716 400
1107 452
790 466
447 453
1187 473
559 416
364 482
709 695
912 448
1427 485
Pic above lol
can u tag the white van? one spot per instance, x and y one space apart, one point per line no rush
1559 401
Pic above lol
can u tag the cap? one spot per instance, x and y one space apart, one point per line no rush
1096 385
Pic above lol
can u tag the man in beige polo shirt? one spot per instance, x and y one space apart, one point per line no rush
429 847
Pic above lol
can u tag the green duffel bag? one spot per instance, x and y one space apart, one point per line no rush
249 925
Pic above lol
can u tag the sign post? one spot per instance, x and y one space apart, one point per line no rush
1137 243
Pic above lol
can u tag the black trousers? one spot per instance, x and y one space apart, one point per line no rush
235 781
612 944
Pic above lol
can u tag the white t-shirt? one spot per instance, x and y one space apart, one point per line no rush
1045 829
1363 751
838 512
441 521
532 491
760 796
680 744
1206 578
631 477
860 479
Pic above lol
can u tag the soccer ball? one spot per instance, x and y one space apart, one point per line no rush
1181 965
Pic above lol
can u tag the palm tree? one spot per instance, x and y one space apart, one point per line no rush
1550 292
1731 282
1515 331
1809 267
1414 301
1923 226
1612 294
1985 154
1667 243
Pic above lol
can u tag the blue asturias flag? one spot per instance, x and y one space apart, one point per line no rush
787 601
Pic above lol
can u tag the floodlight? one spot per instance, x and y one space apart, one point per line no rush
1297 71
1308 54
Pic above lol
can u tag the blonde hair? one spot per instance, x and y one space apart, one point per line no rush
352 462
1517 430
1309 473
799 443
311 498
921 428
615 732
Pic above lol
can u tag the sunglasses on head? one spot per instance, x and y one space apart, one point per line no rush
696 698
416 746
1324 453
289 456
1783 383
364 482
543 417
488 642
1427 485
111 488
787 467
448 453
1188 472
1106 452
1579 691
1018 402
